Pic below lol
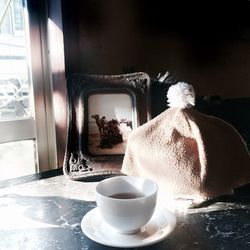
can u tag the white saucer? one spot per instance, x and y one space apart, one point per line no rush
159 227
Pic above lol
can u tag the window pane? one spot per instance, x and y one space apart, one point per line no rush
14 64
12 166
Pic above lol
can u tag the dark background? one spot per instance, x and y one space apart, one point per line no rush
205 43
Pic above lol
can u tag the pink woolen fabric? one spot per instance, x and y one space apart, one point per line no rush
189 154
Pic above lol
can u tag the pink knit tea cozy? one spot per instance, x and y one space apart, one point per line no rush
189 154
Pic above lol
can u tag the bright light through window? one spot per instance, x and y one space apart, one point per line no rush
17 157
23 164
14 67
27 129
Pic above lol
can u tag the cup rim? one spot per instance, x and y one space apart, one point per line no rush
155 190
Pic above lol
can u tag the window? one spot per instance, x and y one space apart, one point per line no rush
27 130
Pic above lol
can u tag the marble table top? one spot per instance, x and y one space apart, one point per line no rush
46 214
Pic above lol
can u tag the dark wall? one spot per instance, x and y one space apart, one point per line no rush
207 45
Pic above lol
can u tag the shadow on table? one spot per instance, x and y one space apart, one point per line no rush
241 195
55 223
63 216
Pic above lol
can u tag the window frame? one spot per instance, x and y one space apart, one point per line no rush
40 127
42 85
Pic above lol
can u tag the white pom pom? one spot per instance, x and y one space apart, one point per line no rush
181 95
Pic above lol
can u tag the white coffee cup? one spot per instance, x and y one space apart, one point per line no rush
126 202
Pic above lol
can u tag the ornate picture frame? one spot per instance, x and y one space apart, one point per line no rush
102 111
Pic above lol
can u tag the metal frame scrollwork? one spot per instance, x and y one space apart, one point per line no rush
78 163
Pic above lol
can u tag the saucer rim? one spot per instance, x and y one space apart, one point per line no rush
127 245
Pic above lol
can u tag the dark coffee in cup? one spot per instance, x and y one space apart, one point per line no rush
126 195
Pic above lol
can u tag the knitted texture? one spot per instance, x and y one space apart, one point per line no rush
189 154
